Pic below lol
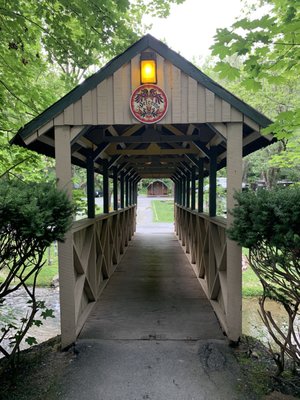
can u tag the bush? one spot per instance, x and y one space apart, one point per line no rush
268 223
32 216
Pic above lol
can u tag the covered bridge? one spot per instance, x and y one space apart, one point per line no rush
181 125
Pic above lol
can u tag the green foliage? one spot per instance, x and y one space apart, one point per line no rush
268 222
32 216
34 211
47 47
269 50
272 216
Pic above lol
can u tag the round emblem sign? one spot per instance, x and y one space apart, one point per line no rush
148 103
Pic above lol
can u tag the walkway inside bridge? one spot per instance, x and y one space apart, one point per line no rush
153 333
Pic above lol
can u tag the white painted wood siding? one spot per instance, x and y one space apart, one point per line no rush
108 103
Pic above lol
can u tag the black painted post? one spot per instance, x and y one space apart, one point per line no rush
193 188
127 191
105 187
200 184
184 196
90 185
122 188
181 191
213 182
175 191
136 190
115 181
188 189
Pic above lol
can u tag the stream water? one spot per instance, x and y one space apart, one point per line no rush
16 306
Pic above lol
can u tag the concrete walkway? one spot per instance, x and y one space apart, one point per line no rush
153 334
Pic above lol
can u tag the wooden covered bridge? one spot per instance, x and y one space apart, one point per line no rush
179 124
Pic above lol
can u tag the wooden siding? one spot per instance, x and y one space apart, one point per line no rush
108 103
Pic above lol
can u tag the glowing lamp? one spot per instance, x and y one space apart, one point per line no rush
148 68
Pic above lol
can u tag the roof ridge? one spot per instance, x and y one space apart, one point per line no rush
109 68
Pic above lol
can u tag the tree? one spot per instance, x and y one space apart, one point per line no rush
32 216
267 222
270 50
48 46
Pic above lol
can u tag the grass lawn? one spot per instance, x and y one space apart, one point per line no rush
47 273
251 284
163 210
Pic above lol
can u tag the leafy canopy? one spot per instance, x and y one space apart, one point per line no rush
269 47
48 46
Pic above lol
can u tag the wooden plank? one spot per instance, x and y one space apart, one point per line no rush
69 115
218 109
168 80
59 119
236 116
201 103
118 101
78 112
176 95
253 125
102 102
184 98
192 100
151 151
251 138
87 115
65 249
221 128
43 129
31 138
135 72
210 105
110 101
160 71
226 111
94 107
233 303
126 94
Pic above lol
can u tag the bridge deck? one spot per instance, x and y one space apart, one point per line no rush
153 334
153 294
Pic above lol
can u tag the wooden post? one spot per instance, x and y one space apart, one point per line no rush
105 187
90 185
175 190
234 252
213 182
127 190
122 188
200 184
115 181
136 189
184 196
65 250
193 188
188 189
182 191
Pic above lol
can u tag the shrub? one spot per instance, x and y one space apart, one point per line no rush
268 223
32 216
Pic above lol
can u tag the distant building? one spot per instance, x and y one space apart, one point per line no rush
157 188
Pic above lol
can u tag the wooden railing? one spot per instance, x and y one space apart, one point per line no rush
97 246
204 240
